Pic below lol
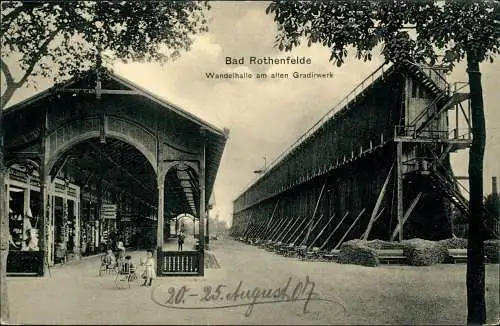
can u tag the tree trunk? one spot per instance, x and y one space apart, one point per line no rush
4 232
4 216
476 308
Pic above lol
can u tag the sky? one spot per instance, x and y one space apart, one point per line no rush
266 116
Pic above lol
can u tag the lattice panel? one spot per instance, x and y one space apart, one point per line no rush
133 131
68 132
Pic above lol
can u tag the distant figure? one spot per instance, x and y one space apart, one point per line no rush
180 240
127 267
150 269
109 259
61 253
120 251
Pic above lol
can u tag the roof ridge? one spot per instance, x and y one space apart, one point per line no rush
126 82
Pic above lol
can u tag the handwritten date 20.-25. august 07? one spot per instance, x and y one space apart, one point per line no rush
222 296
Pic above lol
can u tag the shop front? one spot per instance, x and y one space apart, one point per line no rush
24 206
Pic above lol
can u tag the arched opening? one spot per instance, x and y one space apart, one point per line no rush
182 198
101 193
185 223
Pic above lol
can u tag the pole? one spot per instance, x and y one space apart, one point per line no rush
350 228
284 237
377 204
272 215
278 235
331 234
320 233
315 210
313 228
292 236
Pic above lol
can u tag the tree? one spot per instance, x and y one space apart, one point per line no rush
416 31
492 205
62 39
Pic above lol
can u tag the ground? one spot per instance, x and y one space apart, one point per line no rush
388 294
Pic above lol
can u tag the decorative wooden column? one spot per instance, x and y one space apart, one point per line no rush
44 228
161 213
76 226
208 226
44 225
399 171
202 195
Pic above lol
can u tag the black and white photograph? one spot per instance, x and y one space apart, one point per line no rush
250 162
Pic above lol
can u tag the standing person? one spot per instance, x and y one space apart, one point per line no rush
180 241
120 255
150 269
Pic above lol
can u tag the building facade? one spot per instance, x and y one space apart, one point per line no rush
367 166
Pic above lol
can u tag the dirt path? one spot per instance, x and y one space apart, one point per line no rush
332 293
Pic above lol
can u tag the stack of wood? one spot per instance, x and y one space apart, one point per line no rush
421 252
356 252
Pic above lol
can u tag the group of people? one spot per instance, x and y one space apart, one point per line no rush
125 265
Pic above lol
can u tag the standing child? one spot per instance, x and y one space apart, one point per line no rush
150 268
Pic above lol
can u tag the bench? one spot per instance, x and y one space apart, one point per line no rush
457 255
276 246
301 251
391 256
460 256
264 244
281 249
332 255
270 245
312 254
289 250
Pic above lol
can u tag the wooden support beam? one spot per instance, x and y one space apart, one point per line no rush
255 228
374 220
292 236
248 221
278 229
349 230
274 226
299 234
333 232
287 229
202 207
285 236
320 233
272 215
377 204
283 230
315 210
405 217
94 91
313 228
257 231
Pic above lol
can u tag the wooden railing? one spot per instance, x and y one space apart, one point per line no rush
178 263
